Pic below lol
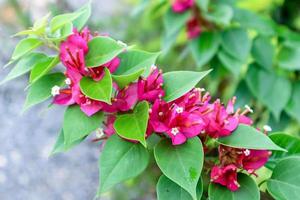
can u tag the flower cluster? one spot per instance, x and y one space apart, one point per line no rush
191 115
193 25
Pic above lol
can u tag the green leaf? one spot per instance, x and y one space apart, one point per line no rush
60 146
272 90
102 49
134 60
229 62
182 164
236 43
168 190
249 138
24 66
205 47
289 58
203 4
41 89
43 67
98 90
293 107
39 26
288 142
77 124
285 180
124 80
24 47
263 52
248 19
62 33
221 14
120 160
60 20
178 83
85 11
247 191
133 126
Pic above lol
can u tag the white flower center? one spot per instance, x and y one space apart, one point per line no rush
55 90
179 110
247 152
174 131
160 113
267 128
68 81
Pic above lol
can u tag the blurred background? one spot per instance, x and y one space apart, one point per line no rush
26 170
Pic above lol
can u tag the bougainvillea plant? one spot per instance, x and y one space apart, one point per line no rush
204 148
250 52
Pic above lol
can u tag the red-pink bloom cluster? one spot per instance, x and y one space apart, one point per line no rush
193 25
233 160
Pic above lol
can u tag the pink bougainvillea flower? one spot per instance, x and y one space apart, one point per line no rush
98 72
179 6
150 89
193 27
109 129
226 176
124 99
159 114
254 159
219 122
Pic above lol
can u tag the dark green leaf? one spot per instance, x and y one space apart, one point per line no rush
168 190
289 58
248 137
272 90
236 43
43 67
221 14
102 50
247 191
135 60
182 164
293 107
285 180
288 142
98 90
41 89
133 126
78 125
24 66
230 63
263 52
205 47
119 161
178 83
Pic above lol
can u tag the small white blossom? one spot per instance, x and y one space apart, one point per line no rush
249 108
68 81
174 131
55 90
99 133
267 128
247 152
179 110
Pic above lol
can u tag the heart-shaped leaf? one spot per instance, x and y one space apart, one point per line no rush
102 50
205 47
248 190
263 52
272 90
178 83
123 80
229 62
120 160
182 164
168 190
289 58
98 90
77 125
248 137
288 142
285 180
133 126
135 60
293 107
41 89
